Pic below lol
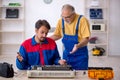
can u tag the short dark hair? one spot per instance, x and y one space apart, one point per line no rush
40 23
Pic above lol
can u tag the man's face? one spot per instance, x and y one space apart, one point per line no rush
41 33
67 15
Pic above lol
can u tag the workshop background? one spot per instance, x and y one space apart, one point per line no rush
38 9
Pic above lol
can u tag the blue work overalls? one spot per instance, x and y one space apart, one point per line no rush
79 59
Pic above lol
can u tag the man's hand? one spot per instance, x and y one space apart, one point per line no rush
20 58
62 62
82 43
75 48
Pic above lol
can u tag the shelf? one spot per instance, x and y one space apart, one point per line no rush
97 44
14 31
102 57
12 25
99 20
11 6
88 7
10 19
103 32
9 43
97 13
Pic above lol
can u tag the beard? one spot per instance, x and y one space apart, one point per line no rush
39 39
67 21
42 39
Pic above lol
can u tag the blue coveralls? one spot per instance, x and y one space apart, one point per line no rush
79 59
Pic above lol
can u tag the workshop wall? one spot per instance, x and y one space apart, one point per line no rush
37 9
114 33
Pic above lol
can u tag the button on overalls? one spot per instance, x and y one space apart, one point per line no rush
79 59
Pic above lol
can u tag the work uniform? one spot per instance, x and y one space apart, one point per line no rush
38 54
79 59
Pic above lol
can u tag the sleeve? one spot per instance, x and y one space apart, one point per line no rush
58 29
56 56
22 65
84 28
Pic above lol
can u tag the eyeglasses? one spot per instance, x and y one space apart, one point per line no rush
67 17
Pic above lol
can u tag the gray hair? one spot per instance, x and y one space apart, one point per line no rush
68 7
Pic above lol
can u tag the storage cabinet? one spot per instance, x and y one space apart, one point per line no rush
97 12
12 25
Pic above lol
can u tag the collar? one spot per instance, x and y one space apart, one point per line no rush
34 42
